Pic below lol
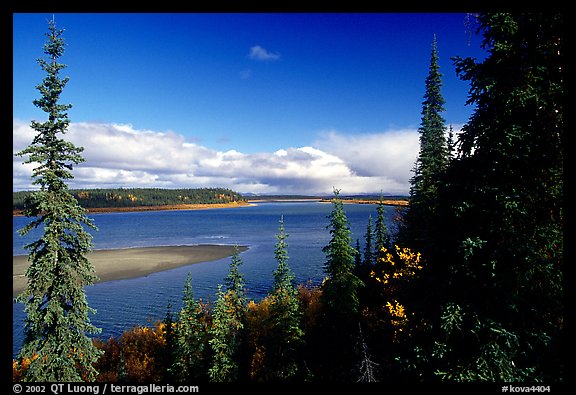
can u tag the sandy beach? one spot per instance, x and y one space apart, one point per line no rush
134 262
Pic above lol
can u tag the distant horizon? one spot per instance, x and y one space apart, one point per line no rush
244 194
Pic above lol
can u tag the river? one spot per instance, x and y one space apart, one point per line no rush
123 304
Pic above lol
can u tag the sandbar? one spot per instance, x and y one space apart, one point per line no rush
120 264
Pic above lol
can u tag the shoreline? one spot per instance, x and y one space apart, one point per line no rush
126 263
168 207
386 202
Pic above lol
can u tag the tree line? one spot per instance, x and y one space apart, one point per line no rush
134 197
468 289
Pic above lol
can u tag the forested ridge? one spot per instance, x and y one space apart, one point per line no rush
142 197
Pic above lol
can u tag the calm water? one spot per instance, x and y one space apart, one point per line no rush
122 304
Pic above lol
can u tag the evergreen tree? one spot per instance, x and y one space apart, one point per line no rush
369 257
499 240
286 337
451 144
358 258
57 311
432 159
190 347
340 290
340 300
382 235
227 326
283 275
121 368
234 280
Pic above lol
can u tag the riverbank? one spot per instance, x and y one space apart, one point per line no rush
206 206
120 264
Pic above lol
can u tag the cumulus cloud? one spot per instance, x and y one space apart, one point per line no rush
118 155
259 53
391 154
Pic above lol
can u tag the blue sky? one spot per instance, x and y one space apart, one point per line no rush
264 103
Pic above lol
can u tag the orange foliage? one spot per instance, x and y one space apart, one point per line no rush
310 299
20 367
143 352
258 326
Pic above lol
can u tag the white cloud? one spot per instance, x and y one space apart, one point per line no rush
259 53
389 154
118 155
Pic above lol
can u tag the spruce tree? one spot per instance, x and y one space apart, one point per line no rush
432 159
190 344
433 156
381 234
451 144
340 290
224 341
234 280
283 275
369 258
57 311
286 337
358 258
227 326
340 299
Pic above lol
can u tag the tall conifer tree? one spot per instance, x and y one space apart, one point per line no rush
340 298
498 245
340 290
382 235
432 159
286 337
283 275
191 338
369 257
57 311
228 324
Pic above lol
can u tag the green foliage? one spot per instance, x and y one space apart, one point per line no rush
225 338
286 337
227 325
476 349
369 253
381 234
340 289
496 237
234 281
433 155
340 300
432 160
57 320
148 197
283 276
191 342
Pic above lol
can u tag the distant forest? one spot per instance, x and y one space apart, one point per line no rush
135 197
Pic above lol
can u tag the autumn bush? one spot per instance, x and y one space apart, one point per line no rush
139 355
